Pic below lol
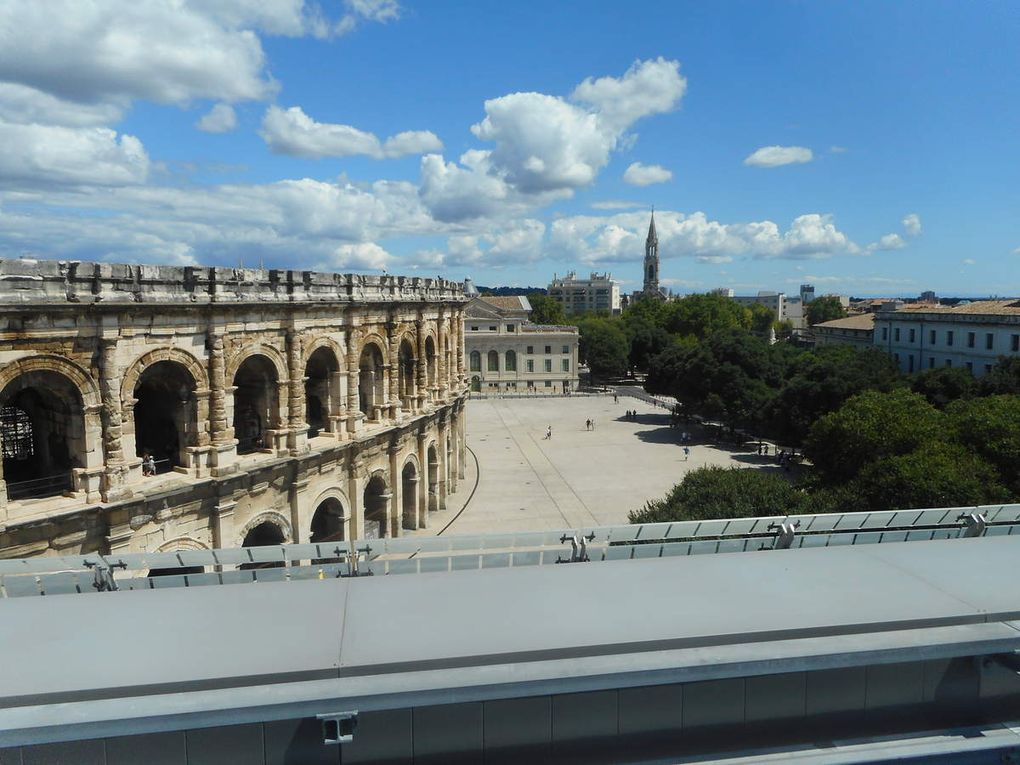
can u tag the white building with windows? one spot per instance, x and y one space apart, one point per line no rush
507 353
968 335
596 293
774 301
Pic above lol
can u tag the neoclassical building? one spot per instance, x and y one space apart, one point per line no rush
155 408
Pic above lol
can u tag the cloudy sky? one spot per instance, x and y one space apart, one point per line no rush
871 148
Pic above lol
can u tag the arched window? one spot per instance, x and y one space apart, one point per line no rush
377 502
511 361
409 491
476 361
256 404
328 522
165 414
370 380
493 361
322 390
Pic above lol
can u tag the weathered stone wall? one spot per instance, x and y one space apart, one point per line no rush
109 330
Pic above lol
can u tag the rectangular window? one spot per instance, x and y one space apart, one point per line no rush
531 383
548 384
896 357
531 349
949 362
912 336
989 341
509 327
931 337
988 368
970 366
531 365
1015 343
474 327
931 362
548 349
970 339
548 365
896 334
885 333
566 365
566 349
949 338
910 361
492 329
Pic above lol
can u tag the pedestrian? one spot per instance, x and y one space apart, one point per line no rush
548 433
615 399
687 453
587 424
593 424
148 465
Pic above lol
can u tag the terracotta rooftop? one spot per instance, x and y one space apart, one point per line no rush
1009 307
854 321
511 302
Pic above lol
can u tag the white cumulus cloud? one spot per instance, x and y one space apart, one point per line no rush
775 156
291 131
912 224
220 119
638 174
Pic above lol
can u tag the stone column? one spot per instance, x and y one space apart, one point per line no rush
355 489
391 381
444 434
459 325
354 414
300 522
297 440
337 405
421 367
221 433
462 440
423 484
116 473
394 516
454 436
442 376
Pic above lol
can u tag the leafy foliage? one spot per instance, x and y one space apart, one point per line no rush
603 347
715 492
825 308
990 428
546 310
944 385
1004 377
703 315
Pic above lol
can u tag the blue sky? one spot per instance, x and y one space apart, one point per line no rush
869 148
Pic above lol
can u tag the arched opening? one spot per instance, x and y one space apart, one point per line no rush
493 365
510 364
405 377
256 404
432 367
321 393
370 380
409 491
266 534
476 383
377 501
42 427
433 456
165 414
328 522
475 362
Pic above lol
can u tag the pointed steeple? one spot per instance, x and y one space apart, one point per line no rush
652 237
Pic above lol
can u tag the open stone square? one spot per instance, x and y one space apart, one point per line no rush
578 477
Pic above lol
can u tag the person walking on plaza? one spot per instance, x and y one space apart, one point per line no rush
687 453
587 424
548 433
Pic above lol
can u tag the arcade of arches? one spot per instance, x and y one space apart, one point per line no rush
184 421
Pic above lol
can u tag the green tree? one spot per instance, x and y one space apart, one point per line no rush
944 385
762 318
870 427
1004 377
990 428
701 315
546 310
715 492
933 475
825 308
820 382
603 347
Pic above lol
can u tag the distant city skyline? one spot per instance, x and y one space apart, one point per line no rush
867 148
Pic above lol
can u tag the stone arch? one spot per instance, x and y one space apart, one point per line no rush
256 401
330 517
371 374
325 341
406 371
271 517
182 543
410 475
432 457
271 352
50 416
325 386
134 372
431 361
377 499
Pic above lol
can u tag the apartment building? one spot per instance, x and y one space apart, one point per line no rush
596 293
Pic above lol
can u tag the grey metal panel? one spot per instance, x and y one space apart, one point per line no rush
581 716
65 753
517 722
496 560
402 566
11 756
382 737
831 691
434 564
227 745
532 558
153 749
773 697
297 742
651 709
448 733
714 702
893 685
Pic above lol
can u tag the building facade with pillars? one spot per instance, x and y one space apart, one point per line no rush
155 408
506 353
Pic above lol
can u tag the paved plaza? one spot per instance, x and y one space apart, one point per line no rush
578 477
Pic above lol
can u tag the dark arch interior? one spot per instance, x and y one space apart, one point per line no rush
256 406
433 456
266 534
376 501
430 362
409 496
406 382
370 379
328 521
43 430
164 414
320 376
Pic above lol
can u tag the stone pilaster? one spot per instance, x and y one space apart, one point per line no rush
116 473
444 466
458 324
298 437
354 414
221 433
423 484
421 366
394 515
442 376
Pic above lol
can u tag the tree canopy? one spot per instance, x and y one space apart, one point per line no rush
603 347
825 308
546 310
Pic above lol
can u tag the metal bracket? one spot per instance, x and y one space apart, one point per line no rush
338 727
785 534
975 524
578 548
102 574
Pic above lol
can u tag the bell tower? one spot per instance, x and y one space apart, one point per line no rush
651 260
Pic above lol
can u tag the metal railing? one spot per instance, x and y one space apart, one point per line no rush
34 488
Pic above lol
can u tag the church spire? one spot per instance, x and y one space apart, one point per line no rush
652 237
651 286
